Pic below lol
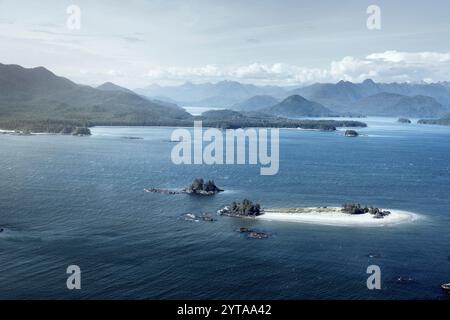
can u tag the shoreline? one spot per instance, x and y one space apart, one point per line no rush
334 217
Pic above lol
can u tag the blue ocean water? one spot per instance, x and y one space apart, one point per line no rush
79 200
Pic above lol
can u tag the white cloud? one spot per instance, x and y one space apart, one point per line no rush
410 57
388 66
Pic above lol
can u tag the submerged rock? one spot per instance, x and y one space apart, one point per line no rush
163 191
199 217
253 234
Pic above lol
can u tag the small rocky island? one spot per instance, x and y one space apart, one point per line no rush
351 133
404 120
246 208
199 186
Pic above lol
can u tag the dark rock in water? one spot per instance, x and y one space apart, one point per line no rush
446 287
1 229
405 280
351 133
252 234
257 235
132 138
199 186
199 217
163 191
404 120
81 131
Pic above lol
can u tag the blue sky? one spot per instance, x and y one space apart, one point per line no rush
136 43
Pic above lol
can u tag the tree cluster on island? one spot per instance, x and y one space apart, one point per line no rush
200 186
352 208
246 208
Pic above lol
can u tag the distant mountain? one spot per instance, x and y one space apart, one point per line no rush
220 94
395 105
39 95
296 106
341 97
256 103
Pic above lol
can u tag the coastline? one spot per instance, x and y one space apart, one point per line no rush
333 216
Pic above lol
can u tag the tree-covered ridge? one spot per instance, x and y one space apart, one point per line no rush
39 100
229 119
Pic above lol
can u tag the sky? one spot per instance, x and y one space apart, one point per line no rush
137 43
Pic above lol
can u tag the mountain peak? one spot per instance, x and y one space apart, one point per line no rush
109 86
296 106
368 81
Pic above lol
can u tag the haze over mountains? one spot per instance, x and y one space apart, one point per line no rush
419 100
221 94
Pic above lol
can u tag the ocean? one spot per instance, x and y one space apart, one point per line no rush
80 201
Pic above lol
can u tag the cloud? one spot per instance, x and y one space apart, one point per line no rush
388 66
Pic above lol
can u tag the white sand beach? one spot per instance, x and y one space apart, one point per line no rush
334 216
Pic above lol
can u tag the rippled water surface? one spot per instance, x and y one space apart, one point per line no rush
79 200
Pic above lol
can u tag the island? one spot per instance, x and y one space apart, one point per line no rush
199 186
442 121
346 215
404 120
246 208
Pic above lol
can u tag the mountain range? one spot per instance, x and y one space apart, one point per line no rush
36 94
344 97
220 94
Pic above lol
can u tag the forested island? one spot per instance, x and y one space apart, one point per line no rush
442 121
246 208
229 119
201 187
